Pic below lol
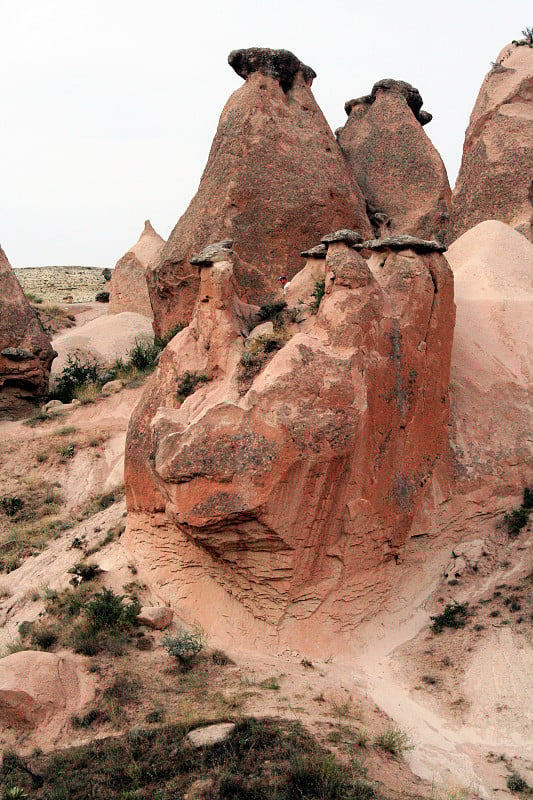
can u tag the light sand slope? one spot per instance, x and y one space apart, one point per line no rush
105 338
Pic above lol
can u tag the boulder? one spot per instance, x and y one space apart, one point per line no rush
274 183
210 735
158 617
496 176
399 171
103 339
25 350
282 491
128 288
112 387
36 687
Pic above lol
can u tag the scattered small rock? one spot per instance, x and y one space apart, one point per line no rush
158 617
212 734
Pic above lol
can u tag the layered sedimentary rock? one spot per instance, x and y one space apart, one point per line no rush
128 289
274 183
496 176
399 171
281 492
491 375
25 350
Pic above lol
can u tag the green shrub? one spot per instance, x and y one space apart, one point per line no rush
43 637
83 572
318 293
108 611
257 352
394 741
102 297
143 356
527 502
11 505
515 783
185 645
76 373
453 616
189 382
516 520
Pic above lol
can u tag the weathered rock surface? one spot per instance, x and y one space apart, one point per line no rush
25 350
63 284
102 339
496 176
274 183
491 375
399 171
128 288
36 686
281 492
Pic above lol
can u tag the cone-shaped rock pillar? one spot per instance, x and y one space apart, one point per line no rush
275 182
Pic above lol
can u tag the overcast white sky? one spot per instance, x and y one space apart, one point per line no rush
109 106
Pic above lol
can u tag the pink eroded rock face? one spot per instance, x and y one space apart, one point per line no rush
25 350
36 686
128 289
496 176
274 183
282 494
399 171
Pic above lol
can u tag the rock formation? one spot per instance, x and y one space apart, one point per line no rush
281 492
399 171
275 182
128 289
25 350
496 176
491 375
36 687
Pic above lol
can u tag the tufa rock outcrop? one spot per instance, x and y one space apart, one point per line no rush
128 288
399 171
25 350
274 183
496 176
282 491
491 377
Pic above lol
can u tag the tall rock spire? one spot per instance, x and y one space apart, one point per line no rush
275 182
400 172
496 176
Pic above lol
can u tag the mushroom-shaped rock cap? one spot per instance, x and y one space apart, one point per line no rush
343 235
412 96
320 251
212 253
403 242
279 64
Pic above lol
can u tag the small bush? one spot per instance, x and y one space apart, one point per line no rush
453 616
102 297
83 572
394 741
11 505
188 383
144 355
318 293
75 374
185 645
43 637
107 611
515 783
527 502
220 658
516 520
